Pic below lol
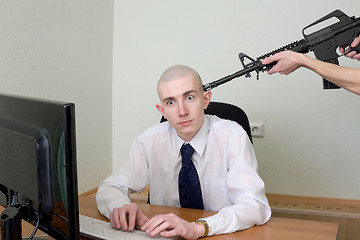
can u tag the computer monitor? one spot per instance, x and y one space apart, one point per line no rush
38 173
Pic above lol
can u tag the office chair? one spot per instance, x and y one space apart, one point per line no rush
229 112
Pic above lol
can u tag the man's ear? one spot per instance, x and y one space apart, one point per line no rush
207 98
159 107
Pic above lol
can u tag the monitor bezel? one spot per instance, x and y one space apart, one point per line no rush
68 118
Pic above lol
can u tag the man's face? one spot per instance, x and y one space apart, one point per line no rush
182 103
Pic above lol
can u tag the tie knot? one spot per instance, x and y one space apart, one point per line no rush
186 152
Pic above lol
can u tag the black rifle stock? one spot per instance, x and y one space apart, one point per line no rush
324 43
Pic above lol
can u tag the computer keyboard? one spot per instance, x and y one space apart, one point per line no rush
101 230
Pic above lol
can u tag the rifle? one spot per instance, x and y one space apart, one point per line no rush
323 43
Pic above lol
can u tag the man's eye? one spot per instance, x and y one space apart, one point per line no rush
170 102
189 98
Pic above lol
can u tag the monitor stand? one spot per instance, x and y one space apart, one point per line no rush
10 223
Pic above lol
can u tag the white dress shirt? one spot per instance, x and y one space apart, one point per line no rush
224 158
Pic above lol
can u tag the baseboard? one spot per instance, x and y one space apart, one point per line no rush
344 211
134 197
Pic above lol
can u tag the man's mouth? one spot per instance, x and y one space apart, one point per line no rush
185 123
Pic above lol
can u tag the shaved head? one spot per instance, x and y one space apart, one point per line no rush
179 71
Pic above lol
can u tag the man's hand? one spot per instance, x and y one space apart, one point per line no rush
127 217
169 225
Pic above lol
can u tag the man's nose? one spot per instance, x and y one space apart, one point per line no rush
183 109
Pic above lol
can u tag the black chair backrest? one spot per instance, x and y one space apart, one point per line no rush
229 112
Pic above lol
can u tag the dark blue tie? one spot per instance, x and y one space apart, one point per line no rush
189 184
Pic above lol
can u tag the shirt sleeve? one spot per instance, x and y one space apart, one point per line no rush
245 188
114 191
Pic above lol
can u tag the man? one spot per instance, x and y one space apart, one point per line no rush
223 156
345 77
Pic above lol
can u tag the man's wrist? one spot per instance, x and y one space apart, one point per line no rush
205 225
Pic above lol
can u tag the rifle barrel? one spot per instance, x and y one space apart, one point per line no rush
230 77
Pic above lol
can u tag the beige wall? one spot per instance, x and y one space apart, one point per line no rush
312 136
62 50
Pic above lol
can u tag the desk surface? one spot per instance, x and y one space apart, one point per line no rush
275 229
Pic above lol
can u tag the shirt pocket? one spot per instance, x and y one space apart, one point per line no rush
216 194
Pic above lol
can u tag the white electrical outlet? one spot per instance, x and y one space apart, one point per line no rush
257 129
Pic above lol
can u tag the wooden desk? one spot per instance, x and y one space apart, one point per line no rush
275 229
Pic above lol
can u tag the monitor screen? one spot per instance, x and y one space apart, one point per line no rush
38 174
